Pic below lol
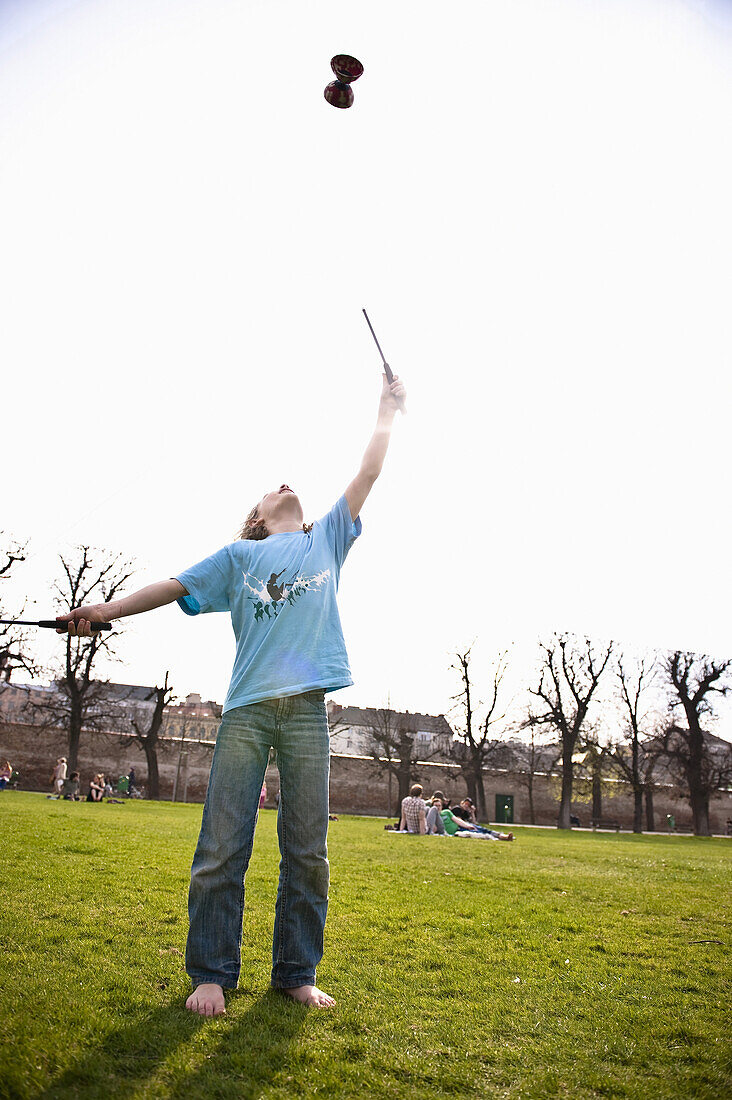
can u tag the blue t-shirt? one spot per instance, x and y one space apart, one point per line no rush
281 592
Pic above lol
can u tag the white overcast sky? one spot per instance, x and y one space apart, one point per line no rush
533 200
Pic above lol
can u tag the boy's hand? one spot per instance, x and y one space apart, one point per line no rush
393 396
77 622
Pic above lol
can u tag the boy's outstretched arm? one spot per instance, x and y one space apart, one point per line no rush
77 622
375 453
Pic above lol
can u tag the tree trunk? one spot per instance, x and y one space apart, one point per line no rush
596 793
405 779
74 736
469 777
638 810
530 790
650 819
700 809
698 794
153 777
566 804
479 800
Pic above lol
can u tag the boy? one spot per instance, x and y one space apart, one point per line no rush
279 582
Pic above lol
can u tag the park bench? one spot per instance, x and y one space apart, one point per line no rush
598 823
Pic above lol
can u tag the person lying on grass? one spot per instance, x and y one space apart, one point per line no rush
279 582
456 825
466 811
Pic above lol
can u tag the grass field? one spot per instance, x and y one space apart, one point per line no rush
563 965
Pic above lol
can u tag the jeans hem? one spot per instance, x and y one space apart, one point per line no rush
208 980
290 984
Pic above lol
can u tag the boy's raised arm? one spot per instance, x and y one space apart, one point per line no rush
375 453
77 622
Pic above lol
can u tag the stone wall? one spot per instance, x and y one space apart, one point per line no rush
357 784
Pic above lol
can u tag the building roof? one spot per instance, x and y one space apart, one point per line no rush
127 693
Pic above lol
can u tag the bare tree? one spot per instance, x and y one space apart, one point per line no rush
148 735
635 757
597 762
693 760
10 553
568 679
80 701
475 746
395 747
14 641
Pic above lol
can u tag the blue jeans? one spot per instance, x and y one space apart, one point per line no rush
297 727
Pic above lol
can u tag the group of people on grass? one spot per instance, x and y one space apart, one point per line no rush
68 787
436 817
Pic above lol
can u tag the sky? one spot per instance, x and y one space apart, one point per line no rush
532 202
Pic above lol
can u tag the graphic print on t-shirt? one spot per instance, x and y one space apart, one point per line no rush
269 597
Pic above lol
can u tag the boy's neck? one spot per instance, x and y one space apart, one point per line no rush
283 527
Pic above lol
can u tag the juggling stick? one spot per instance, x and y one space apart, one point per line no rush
51 624
387 368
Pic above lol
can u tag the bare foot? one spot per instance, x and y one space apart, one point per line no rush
310 995
207 999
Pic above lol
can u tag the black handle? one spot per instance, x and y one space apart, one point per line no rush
52 624
390 378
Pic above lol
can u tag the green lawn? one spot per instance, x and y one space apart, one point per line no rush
563 965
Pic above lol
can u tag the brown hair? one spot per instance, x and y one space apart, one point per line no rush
416 788
255 528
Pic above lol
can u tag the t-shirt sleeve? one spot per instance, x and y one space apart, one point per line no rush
208 584
340 530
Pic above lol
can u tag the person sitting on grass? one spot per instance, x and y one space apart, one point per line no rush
289 651
6 774
71 788
414 811
434 822
96 789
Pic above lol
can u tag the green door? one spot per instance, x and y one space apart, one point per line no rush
504 809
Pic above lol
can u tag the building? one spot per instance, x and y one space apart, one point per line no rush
193 720
356 731
113 708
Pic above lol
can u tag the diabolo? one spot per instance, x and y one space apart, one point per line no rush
339 93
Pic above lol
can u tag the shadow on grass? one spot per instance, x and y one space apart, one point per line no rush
237 1056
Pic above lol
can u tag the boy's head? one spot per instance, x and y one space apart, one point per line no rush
416 790
280 504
